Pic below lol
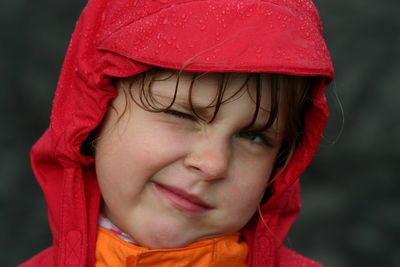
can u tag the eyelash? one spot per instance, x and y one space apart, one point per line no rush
242 134
251 135
179 114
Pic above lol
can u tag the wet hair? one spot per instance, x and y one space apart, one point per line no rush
292 92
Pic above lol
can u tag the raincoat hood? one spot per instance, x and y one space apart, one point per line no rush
121 38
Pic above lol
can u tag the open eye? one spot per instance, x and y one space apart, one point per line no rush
179 114
255 137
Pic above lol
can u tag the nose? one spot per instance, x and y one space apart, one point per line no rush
210 156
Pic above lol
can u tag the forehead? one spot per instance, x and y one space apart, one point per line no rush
207 89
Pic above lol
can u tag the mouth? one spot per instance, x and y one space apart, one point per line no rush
181 199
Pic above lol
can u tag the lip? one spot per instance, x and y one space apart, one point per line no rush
181 199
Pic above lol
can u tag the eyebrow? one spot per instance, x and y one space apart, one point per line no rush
204 112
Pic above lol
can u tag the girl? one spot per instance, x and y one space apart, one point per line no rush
179 131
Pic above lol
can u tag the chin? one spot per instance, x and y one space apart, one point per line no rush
163 238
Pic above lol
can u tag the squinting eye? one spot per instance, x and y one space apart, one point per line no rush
254 137
179 114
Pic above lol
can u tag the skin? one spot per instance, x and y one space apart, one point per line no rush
220 163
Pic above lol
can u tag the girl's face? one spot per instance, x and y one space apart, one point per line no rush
169 179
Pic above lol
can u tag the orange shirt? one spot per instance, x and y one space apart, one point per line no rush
222 251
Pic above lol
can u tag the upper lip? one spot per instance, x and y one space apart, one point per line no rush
186 195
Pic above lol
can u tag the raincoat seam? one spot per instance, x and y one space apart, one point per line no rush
289 71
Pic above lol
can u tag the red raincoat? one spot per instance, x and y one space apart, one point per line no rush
121 38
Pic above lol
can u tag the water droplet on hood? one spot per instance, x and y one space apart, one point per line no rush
218 35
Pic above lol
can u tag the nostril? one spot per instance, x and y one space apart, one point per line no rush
208 168
211 169
195 168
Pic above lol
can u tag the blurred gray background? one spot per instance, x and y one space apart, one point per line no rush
351 202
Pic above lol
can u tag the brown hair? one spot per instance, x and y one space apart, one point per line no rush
288 90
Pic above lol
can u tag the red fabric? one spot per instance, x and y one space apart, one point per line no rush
121 38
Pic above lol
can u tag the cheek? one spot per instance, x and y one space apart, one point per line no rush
136 153
250 181
158 147
256 169
251 189
243 201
